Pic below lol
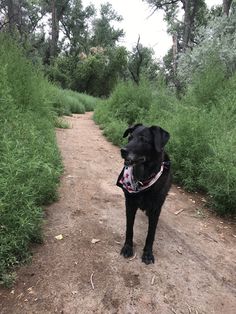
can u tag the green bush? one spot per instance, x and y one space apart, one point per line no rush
207 84
87 101
219 167
61 123
215 40
130 102
95 73
114 130
66 102
102 113
30 164
58 101
164 105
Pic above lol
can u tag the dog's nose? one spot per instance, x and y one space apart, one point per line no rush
124 152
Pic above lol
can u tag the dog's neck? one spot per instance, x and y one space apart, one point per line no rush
139 177
144 171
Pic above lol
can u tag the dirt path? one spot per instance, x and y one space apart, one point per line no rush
195 269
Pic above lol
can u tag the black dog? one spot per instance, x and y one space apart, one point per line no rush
145 180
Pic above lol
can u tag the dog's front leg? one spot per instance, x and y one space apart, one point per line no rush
127 250
147 256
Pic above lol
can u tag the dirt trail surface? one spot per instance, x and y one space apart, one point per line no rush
194 272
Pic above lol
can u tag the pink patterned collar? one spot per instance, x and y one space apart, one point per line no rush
127 181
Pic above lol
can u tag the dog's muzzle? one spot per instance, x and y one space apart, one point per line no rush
130 158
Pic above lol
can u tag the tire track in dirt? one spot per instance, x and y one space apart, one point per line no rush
195 254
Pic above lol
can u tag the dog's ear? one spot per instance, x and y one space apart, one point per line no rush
131 129
160 136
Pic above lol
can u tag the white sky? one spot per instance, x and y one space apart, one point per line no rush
135 15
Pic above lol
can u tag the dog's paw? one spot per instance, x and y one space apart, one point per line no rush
148 257
127 251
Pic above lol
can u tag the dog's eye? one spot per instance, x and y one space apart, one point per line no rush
143 139
130 138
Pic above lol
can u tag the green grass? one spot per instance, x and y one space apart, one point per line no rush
89 102
201 124
67 102
30 163
61 123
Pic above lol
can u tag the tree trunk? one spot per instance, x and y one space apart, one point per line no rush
187 23
175 52
54 31
14 15
191 8
10 15
226 6
135 73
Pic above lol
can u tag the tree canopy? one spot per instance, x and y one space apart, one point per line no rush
79 46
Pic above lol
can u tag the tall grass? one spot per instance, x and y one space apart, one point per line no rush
202 127
66 102
30 164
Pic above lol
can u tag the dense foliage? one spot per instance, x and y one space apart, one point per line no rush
82 52
66 102
95 73
218 41
30 163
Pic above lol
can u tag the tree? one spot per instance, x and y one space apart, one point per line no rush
95 73
194 12
135 62
55 29
184 32
57 9
21 16
75 26
104 34
141 63
216 42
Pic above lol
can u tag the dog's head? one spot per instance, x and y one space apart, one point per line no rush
144 143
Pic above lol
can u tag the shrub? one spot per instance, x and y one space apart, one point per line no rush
130 102
87 101
61 123
102 113
219 167
217 39
95 73
207 83
66 102
58 101
114 131
30 163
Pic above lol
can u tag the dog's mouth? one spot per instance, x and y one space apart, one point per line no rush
133 162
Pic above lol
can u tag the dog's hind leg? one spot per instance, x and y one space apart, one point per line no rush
127 250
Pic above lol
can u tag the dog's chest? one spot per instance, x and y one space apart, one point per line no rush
144 201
